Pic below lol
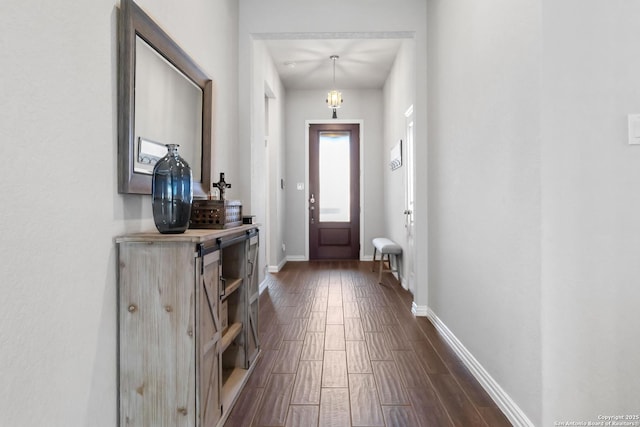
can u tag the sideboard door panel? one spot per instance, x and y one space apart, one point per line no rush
210 333
253 295
157 351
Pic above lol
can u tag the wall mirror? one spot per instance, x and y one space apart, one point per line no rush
163 98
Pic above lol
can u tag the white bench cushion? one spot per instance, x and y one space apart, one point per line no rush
386 246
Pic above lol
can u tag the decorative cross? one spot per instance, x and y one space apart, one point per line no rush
221 185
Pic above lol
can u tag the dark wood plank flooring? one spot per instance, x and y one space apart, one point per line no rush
339 349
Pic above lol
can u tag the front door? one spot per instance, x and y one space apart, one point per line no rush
334 191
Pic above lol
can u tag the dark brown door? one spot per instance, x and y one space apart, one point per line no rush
334 191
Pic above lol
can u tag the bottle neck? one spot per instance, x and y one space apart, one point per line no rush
172 149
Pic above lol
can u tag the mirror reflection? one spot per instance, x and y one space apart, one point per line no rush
168 110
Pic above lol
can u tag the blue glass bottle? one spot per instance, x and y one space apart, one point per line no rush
172 192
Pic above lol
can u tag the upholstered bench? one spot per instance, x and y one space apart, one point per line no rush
386 247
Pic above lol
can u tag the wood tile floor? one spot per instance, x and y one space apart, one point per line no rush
339 349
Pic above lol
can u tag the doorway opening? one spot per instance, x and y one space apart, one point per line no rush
334 191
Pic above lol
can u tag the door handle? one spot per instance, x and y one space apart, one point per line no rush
312 208
408 213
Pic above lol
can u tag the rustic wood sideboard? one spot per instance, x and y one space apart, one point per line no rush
187 324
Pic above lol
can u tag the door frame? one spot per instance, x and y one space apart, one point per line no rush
408 279
307 124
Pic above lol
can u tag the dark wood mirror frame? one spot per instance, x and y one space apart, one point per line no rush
134 21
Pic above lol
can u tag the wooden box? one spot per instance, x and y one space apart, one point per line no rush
215 214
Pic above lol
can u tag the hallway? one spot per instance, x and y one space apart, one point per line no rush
338 349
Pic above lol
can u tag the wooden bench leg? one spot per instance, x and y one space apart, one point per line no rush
391 269
373 267
381 267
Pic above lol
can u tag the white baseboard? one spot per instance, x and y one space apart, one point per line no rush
263 285
419 310
296 258
499 396
277 268
302 258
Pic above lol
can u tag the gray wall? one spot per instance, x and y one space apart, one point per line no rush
484 187
399 95
590 208
533 198
267 151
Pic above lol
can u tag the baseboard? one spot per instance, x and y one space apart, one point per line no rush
419 310
277 268
263 285
499 396
302 258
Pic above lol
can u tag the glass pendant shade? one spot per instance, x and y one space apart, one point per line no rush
334 99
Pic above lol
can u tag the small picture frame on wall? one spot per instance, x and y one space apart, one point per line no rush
395 156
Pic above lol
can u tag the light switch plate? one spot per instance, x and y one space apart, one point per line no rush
634 129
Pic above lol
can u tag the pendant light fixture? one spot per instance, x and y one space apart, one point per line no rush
334 97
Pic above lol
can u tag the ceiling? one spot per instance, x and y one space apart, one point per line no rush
306 64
